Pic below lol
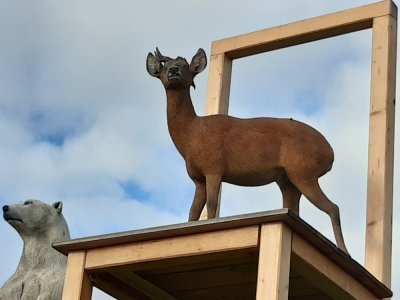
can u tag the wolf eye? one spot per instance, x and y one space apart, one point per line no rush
28 202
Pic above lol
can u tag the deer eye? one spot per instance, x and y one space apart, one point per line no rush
28 202
185 67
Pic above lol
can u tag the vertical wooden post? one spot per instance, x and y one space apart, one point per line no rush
378 245
77 285
219 84
274 262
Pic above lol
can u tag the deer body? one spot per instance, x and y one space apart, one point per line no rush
227 141
246 152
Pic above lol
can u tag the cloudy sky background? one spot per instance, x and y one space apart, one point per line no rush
81 121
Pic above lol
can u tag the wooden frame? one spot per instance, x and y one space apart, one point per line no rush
210 242
77 283
382 18
274 261
269 251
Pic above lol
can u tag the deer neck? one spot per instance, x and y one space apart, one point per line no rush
180 114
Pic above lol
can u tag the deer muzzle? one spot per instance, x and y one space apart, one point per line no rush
174 73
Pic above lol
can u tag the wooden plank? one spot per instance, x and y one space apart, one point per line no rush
314 278
206 277
175 230
300 288
144 286
204 243
378 252
309 30
298 225
326 274
313 297
87 287
219 84
77 285
199 262
229 292
117 288
274 262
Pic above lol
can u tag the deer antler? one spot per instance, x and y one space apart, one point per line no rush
161 57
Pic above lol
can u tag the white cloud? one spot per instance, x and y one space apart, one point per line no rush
74 72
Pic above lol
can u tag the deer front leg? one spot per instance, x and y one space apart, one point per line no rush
198 202
213 185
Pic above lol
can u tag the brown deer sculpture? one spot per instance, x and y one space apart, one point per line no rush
246 152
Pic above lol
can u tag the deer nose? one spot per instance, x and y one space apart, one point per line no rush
173 71
6 208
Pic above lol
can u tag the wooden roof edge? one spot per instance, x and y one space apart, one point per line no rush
346 262
166 231
298 225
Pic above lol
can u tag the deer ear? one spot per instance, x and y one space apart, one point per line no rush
199 61
153 65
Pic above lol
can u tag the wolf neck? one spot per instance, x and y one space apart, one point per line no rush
180 115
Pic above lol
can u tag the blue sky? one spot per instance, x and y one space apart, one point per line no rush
81 121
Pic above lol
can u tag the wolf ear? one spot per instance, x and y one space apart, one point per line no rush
58 206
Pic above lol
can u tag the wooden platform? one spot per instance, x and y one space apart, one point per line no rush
269 255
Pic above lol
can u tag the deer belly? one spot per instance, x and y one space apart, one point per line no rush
253 178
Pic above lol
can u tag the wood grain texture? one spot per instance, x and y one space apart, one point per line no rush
378 251
229 258
204 243
305 31
219 81
144 286
219 84
77 285
274 262
117 288
330 277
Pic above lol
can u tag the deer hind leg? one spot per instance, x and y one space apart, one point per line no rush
198 202
313 192
291 195
213 185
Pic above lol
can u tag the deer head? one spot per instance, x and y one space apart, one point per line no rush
175 73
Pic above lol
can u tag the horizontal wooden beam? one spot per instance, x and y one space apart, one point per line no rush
181 229
204 243
329 270
144 286
117 288
305 31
